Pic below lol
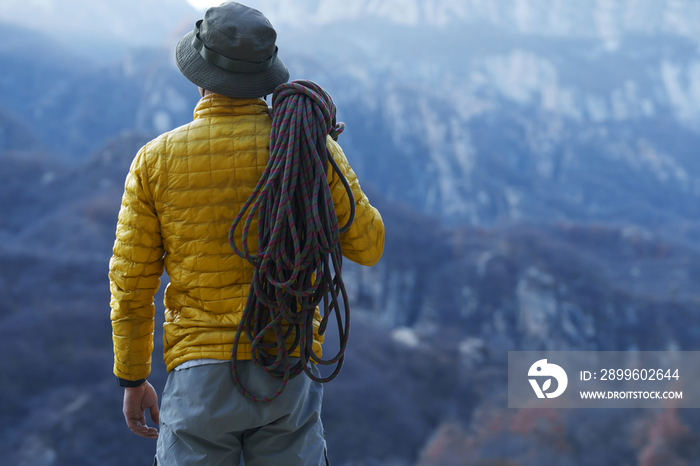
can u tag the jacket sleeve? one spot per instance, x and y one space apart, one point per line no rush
134 275
364 241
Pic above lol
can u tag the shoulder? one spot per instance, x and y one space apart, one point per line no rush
163 145
167 140
335 149
338 154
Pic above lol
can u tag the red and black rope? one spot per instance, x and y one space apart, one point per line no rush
298 262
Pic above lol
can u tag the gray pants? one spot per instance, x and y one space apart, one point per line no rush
204 420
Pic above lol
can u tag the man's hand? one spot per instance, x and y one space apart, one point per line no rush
136 401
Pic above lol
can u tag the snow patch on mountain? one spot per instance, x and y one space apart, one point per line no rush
606 20
682 86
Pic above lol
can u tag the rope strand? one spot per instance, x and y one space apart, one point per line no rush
299 261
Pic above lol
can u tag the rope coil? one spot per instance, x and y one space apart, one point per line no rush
298 262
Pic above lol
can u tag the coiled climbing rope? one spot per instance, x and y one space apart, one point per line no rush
298 261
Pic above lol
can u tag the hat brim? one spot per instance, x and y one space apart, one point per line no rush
224 82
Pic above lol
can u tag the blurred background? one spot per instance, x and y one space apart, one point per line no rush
536 162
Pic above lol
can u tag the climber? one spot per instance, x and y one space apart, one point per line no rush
183 192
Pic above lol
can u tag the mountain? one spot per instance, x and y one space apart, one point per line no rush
535 163
432 324
15 135
606 20
492 114
101 28
486 117
73 105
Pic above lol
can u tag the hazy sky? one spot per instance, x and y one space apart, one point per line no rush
202 4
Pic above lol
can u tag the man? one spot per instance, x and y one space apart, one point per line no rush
183 190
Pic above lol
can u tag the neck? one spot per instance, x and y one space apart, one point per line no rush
204 92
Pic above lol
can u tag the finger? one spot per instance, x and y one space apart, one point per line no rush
151 433
135 417
133 413
136 425
142 429
155 413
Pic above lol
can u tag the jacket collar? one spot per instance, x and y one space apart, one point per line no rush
216 104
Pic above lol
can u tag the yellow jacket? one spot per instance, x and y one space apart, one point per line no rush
182 193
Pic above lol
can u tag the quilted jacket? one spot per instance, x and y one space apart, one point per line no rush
181 195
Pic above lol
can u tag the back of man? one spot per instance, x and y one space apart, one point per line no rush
183 191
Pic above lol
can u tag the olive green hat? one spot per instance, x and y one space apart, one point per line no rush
232 52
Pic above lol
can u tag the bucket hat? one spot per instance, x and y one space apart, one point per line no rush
232 52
